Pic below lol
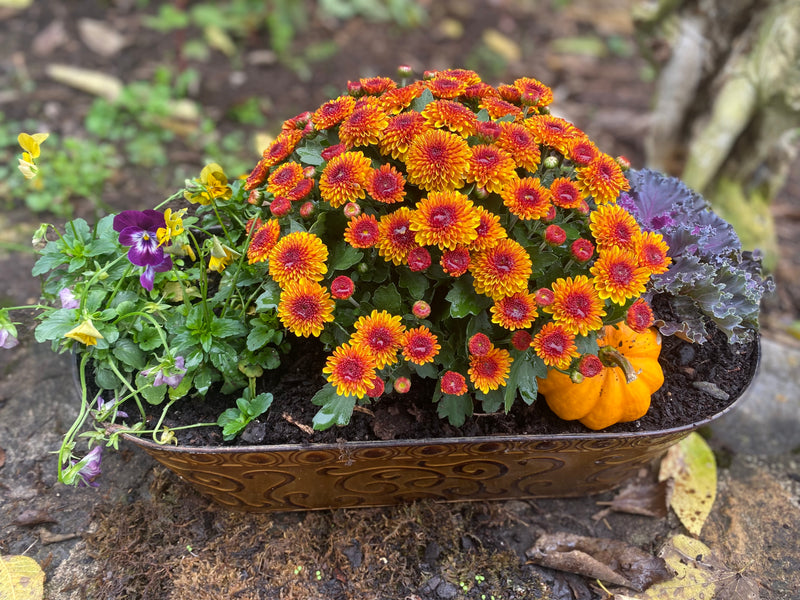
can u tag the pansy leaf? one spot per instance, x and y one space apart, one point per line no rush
57 324
129 353
225 328
336 409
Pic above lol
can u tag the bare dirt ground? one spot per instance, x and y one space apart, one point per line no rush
144 534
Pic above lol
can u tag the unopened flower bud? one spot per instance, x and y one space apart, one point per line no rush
623 163
479 344
551 162
377 388
419 259
544 297
453 383
342 287
421 309
280 206
351 210
354 88
429 74
254 197
306 209
521 340
480 193
404 71
309 172
363 267
332 151
582 250
551 214
555 235
402 385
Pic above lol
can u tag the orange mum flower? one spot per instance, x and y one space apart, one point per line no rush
519 143
376 85
489 371
466 75
498 108
582 151
351 370
304 308
446 87
527 198
639 316
453 383
362 231
603 179
502 270
381 334
617 275
344 178
395 100
263 241
284 178
553 131
333 112
490 167
400 132
451 115
509 93
420 346
613 226
364 126
386 185
299 255
489 231
555 346
436 160
445 219
565 193
576 305
395 237
479 91
516 311
282 147
652 252
533 92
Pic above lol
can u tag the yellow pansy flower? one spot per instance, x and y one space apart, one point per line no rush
86 333
214 185
174 226
30 144
221 256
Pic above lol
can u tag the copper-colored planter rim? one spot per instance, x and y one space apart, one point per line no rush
350 474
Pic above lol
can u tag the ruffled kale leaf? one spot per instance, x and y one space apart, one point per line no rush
711 278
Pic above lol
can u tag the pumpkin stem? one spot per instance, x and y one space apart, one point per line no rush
614 358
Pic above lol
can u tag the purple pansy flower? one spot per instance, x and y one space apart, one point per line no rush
7 339
138 229
90 468
175 376
68 299
102 406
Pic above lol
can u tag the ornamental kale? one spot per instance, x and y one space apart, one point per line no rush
711 277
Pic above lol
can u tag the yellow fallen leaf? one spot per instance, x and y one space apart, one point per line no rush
691 465
261 140
15 4
502 45
217 38
93 82
21 578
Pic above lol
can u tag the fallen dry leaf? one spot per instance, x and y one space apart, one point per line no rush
609 560
692 466
94 82
100 37
2 457
21 578
648 499
48 39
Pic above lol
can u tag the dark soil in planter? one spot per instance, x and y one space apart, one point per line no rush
700 380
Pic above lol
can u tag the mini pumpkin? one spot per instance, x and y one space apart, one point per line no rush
612 396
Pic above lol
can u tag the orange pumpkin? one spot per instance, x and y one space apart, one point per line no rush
609 397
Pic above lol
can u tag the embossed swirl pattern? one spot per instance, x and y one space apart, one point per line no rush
379 475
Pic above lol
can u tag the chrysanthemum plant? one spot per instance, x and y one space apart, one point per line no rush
441 228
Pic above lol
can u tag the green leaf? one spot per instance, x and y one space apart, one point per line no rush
388 298
260 336
336 409
225 328
260 404
344 256
416 283
425 98
56 325
129 353
311 153
464 300
270 297
455 408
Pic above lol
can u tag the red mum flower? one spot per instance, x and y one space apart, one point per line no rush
445 219
333 112
420 346
362 231
491 168
364 126
455 262
582 250
509 93
618 276
299 255
519 143
453 384
257 176
344 178
502 270
381 334
582 151
517 311
304 308
280 206
386 185
436 160
527 198
395 237
490 371
555 346
479 344
488 131
377 389
351 370
332 151
603 179
342 287
479 91
576 305
419 259
565 193
400 132
590 365
301 190
446 87
377 85
521 340
639 316
263 241
555 235
450 115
